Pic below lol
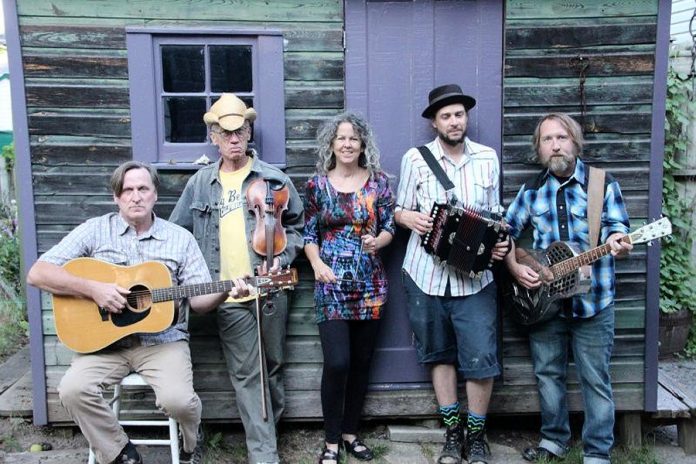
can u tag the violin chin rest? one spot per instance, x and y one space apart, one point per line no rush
275 184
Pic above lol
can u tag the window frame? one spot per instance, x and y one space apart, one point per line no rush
145 87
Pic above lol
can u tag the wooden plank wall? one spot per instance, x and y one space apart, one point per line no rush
75 63
547 47
77 96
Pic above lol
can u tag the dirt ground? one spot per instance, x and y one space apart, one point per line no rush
301 443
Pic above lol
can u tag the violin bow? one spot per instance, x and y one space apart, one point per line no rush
269 223
262 359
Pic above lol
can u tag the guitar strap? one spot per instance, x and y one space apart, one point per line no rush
595 202
434 166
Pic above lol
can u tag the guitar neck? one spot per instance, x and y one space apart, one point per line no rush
570 265
186 291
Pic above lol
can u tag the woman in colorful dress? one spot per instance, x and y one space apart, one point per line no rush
349 216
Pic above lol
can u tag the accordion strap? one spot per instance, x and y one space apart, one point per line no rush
434 166
595 201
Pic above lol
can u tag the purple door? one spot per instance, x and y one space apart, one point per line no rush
395 53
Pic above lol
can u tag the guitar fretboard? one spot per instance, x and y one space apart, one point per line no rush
186 291
570 265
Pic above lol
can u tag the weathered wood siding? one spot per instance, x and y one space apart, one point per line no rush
75 64
596 61
78 108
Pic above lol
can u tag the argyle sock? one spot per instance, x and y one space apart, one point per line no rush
450 414
475 423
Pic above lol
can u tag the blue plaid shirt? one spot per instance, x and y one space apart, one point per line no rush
559 212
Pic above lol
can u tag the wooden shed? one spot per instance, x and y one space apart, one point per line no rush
99 82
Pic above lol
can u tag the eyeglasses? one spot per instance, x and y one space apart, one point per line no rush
227 135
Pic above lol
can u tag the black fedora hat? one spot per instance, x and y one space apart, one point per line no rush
446 95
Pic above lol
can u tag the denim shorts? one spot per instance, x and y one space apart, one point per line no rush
461 330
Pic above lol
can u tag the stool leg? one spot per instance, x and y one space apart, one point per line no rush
174 440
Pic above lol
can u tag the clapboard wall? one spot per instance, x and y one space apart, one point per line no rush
595 61
76 82
77 91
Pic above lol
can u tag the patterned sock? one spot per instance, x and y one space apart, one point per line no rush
450 414
475 423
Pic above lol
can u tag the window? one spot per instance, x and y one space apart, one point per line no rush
175 75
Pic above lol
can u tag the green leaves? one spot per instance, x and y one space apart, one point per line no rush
677 273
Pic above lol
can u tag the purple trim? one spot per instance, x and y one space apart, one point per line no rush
143 66
202 30
657 143
142 96
25 206
270 98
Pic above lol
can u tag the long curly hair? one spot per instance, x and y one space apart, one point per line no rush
369 153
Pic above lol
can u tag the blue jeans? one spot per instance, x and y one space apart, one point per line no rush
591 341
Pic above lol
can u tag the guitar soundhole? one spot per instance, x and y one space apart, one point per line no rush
139 299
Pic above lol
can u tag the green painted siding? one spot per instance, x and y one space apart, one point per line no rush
75 65
598 56
76 80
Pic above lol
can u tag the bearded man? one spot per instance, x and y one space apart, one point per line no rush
453 316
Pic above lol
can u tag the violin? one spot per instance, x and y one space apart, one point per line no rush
268 199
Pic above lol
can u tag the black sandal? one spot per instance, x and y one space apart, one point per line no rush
329 455
364 455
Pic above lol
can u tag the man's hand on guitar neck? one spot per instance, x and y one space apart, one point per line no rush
241 288
619 248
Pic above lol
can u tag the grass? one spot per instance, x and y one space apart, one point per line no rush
13 314
619 455
13 325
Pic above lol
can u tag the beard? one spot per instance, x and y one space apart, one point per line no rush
562 166
449 140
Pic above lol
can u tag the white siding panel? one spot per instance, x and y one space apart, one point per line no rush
682 11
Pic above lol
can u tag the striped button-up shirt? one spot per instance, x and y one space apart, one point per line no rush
109 238
558 211
476 183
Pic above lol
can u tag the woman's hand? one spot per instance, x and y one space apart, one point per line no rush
323 273
369 244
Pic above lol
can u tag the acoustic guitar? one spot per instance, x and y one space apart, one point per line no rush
84 327
564 271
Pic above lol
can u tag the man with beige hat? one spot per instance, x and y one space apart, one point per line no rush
214 207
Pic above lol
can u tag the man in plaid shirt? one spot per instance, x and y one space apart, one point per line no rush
128 237
554 203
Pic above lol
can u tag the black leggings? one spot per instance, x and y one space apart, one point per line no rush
347 348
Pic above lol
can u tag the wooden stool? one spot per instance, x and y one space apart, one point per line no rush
135 380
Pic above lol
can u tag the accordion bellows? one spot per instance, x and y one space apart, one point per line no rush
464 237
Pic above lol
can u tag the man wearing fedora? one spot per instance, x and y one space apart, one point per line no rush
453 316
214 207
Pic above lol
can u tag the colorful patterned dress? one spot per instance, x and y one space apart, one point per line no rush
335 221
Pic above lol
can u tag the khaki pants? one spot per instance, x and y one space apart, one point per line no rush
238 337
166 368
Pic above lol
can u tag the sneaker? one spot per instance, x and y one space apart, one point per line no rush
539 454
129 455
477 449
196 456
452 451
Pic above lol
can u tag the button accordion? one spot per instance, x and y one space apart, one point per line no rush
464 237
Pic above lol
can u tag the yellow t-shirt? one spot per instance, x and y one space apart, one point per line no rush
234 252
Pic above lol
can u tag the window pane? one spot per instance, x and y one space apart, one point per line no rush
230 68
183 68
183 119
